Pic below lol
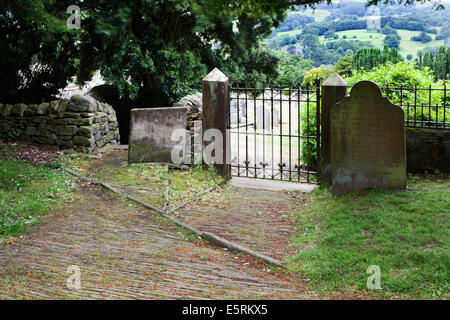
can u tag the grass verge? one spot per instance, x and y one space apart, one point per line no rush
405 233
26 193
144 181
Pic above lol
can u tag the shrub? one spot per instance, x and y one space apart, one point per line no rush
406 75
308 129
392 41
329 34
422 37
314 74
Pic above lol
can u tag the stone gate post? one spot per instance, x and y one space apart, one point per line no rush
216 108
334 89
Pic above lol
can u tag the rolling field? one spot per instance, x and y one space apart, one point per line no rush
318 15
362 35
411 47
407 46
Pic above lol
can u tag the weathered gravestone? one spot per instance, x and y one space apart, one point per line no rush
151 132
367 140
264 117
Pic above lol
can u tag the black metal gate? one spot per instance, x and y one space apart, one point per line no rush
275 133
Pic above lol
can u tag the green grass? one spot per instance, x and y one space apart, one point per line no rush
185 184
412 47
318 15
289 33
406 45
361 35
26 193
405 233
145 181
376 39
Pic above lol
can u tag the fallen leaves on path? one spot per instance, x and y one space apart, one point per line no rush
35 154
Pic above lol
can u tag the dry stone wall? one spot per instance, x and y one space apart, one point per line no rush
80 123
194 106
428 150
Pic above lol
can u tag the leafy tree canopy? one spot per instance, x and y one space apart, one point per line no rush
369 58
344 66
31 32
292 70
316 74
439 62
138 45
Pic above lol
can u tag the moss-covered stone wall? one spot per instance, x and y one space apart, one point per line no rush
80 123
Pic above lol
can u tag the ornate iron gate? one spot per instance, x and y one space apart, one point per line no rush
275 133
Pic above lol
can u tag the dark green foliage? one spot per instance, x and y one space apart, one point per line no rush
295 21
330 34
339 16
422 37
439 62
37 51
142 45
412 22
137 45
344 66
292 71
347 45
369 58
392 41
280 41
344 25
387 29
171 45
329 53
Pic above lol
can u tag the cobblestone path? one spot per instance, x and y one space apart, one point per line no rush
127 252
260 220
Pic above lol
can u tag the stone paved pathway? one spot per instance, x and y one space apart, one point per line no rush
127 252
258 219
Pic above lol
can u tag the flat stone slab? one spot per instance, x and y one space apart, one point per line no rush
271 185
117 147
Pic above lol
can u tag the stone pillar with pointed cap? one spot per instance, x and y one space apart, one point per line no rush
216 108
334 89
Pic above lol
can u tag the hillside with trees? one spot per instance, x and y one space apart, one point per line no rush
145 49
343 37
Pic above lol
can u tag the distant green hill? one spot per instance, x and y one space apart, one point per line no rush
346 19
